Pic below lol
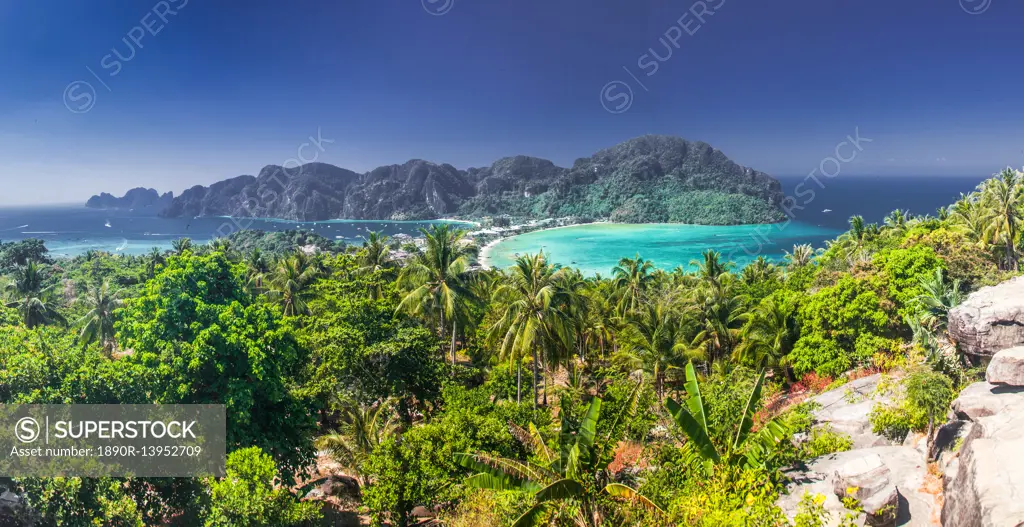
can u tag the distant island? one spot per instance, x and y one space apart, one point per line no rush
649 179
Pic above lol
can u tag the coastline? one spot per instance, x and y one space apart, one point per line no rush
484 257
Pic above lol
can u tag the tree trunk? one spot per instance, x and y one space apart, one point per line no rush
547 375
441 331
519 381
453 342
536 394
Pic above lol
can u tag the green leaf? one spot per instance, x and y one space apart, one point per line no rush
588 428
540 448
532 517
693 430
622 492
572 463
747 418
562 489
498 473
693 399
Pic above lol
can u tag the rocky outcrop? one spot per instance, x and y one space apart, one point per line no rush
990 320
647 179
1007 367
136 200
882 471
848 409
869 481
987 487
983 399
984 484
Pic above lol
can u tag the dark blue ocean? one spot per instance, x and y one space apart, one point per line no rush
71 230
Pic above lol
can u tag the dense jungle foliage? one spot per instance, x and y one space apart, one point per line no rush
528 396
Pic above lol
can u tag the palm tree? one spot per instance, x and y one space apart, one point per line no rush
34 300
98 322
257 271
1003 195
652 341
857 234
289 285
361 430
721 318
437 280
574 482
897 220
801 255
759 270
156 257
534 313
768 335
375 255
971 217
692 420
181 245
711 270
632 280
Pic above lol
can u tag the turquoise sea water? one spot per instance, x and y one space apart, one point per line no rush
597 248
823 213
73 230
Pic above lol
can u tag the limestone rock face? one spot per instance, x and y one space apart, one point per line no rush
848 409
990 320
868 480
642 180
1007 367
987 489
983 399
904 467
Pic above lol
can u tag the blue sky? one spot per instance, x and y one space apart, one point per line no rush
221 89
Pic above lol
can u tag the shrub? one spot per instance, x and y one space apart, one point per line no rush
824 441
248 495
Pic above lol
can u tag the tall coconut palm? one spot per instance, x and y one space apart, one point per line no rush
897 220
711 269
436 281
971 217
759 270
98 322
361 430
181 245
154 259
376 254
29 294
632 279
768 336
1003 195
533 312
653 342
721 318
802 255
289 285
257 271
857 234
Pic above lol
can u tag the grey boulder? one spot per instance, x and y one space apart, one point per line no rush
1007 367
990 320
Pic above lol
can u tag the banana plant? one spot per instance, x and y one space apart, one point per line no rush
570 480
754 449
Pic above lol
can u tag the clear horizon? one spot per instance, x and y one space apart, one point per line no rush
168 95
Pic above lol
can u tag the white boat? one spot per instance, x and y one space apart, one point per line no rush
827 210
107 224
